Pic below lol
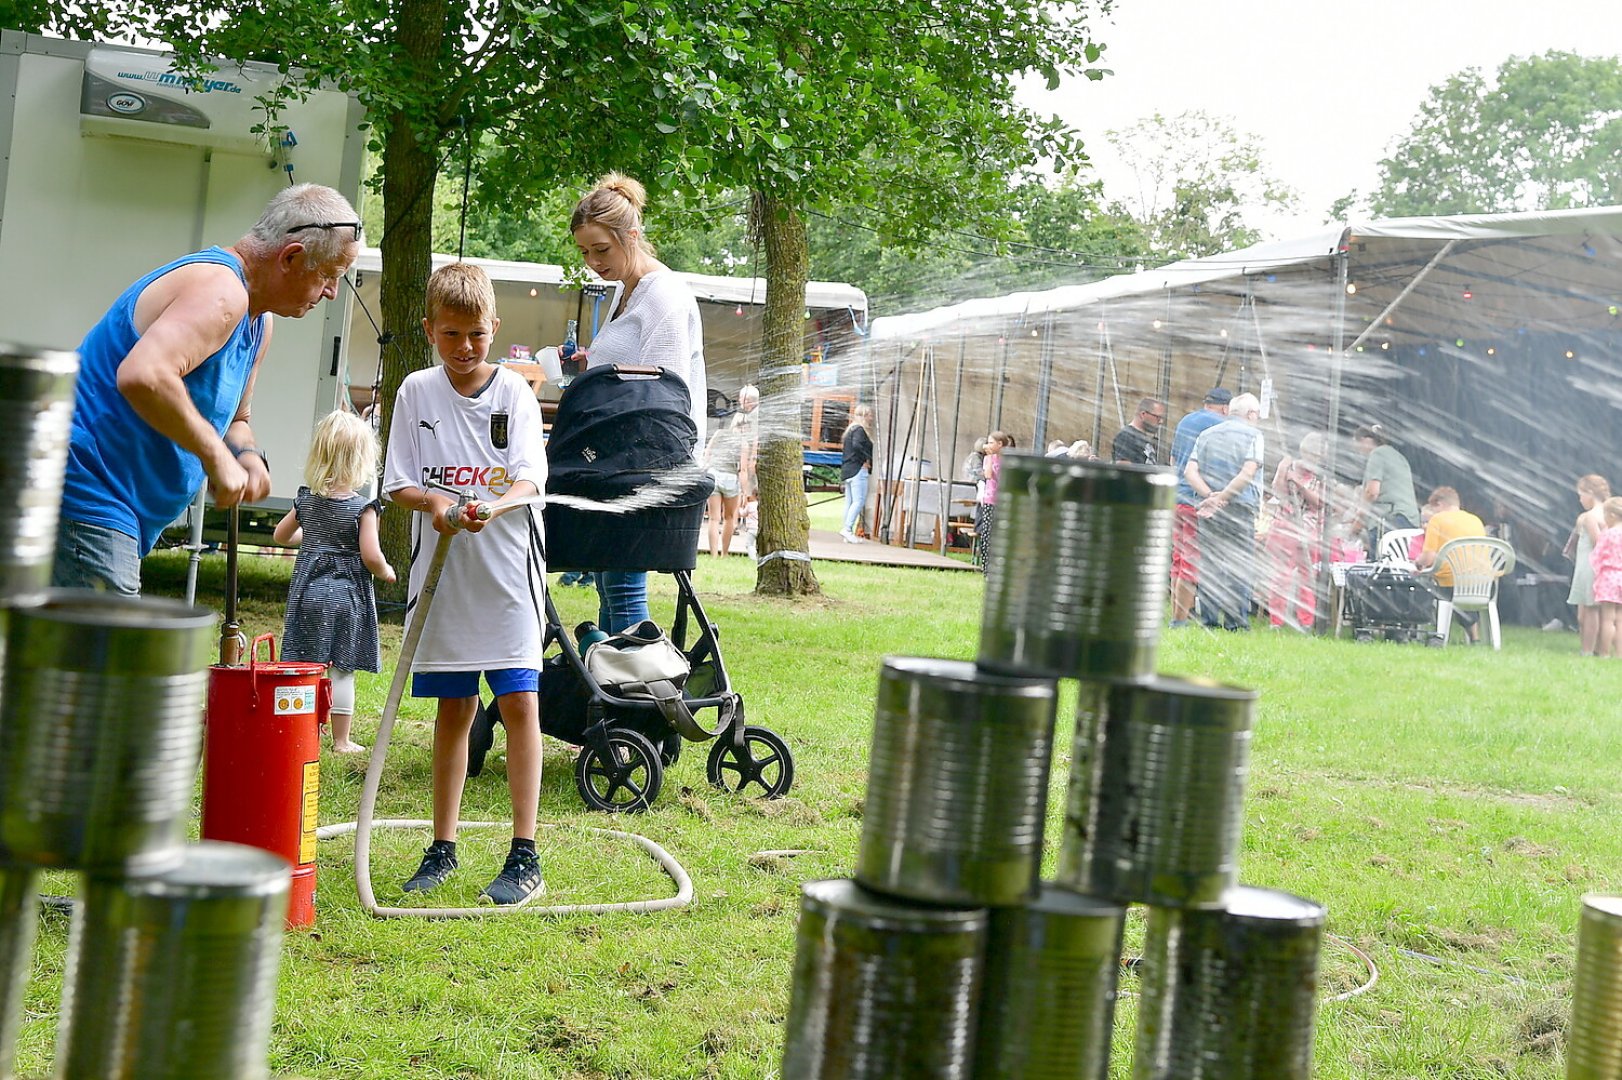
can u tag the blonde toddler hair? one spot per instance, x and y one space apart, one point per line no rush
1612 511
461 289
343 454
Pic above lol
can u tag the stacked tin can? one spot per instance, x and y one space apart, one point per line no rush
1594 1043
36 412
1080 557
174 947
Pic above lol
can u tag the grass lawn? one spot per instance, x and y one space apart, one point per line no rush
1449 806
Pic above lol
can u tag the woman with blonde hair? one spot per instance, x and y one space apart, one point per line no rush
856 469
655 322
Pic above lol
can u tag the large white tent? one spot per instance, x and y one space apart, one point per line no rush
1490 346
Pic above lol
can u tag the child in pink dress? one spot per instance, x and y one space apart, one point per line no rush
1607 563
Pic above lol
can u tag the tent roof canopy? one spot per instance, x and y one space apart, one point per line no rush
1562 267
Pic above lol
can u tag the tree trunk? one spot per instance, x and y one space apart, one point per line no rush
407 246
784 539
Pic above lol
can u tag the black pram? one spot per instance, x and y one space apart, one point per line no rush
1387 600
623 437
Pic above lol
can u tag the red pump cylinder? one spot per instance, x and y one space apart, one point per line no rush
261 762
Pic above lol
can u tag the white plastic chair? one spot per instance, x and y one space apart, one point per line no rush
1394 546
1476 562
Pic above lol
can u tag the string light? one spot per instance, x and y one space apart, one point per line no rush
1468 295
738 310
1385 346
1351 288
1570 355
1157 324
534 292
1458 342
1491 351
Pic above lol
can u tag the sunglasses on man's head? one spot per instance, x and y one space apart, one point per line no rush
328 225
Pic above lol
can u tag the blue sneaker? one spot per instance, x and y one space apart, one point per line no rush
438 862
519 882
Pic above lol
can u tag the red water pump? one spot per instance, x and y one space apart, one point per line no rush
261 762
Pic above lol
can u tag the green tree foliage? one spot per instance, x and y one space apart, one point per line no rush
907 107
1199 182
1063 233
1542 135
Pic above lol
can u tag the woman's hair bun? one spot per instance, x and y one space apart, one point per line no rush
626 187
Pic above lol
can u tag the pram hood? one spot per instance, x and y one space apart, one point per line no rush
615 433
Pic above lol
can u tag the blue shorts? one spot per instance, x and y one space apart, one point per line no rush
465 684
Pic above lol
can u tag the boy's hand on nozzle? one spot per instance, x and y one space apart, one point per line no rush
443 511
475 515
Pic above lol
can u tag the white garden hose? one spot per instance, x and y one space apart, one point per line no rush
363 825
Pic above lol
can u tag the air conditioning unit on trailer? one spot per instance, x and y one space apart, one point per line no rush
141 95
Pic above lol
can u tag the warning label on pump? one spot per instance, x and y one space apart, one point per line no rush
312 800
293 700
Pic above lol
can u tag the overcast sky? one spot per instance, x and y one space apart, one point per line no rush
1327 87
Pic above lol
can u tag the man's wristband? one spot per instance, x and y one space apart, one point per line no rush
238 451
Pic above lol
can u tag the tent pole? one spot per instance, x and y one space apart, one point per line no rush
1098 391
957 409
882 519
1163 389
1400 297
1328 598
1039 437
926 371
943 469
1002 379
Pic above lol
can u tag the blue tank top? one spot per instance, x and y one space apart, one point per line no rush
122 473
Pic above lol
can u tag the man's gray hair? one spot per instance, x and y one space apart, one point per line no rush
1243 405
306 204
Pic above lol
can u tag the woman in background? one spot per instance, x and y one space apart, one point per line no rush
856 470
1388 499
655 322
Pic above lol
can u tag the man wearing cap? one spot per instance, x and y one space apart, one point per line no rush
165 379
1185 549
1134 444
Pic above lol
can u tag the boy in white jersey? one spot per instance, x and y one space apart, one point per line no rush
476 427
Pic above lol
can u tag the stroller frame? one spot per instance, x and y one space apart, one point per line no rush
621 764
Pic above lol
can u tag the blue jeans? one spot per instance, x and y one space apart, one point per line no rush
96 557
622 599
856 499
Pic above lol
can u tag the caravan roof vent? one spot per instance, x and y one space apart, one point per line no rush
141 95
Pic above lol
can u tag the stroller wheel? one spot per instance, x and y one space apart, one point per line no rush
763 767
627 780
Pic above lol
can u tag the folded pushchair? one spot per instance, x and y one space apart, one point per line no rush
624 493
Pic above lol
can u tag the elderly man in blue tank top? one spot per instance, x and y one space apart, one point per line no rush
165 380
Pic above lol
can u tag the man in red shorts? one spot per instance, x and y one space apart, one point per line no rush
1185 547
